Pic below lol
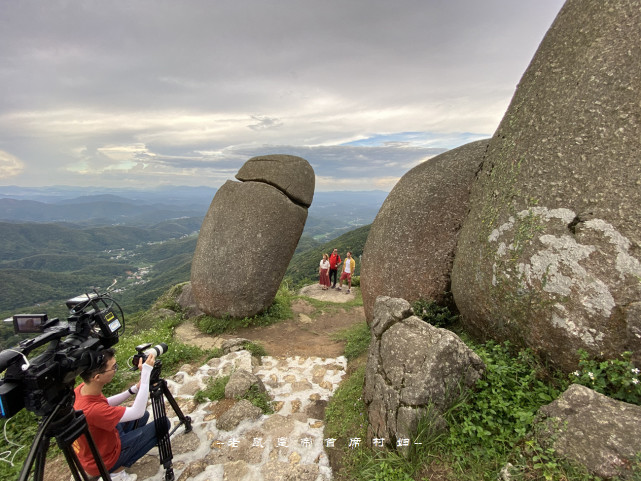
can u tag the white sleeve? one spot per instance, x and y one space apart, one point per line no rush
140 404
118 399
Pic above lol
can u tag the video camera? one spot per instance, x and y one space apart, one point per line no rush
41 383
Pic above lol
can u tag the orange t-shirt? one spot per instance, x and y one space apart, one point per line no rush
102 420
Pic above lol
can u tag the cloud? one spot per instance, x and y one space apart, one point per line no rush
264 122
166 90
10 165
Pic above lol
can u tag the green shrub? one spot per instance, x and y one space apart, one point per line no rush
617 378
259 399
356 281
487 425
432 313
255 348
215 390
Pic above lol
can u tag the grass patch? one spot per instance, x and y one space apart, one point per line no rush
259 399
280 309
487 429
357 339
215 390
255 349
346 419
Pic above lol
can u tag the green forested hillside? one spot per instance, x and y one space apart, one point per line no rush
65 261
26 240
304 265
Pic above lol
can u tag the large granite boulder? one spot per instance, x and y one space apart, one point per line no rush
413 370
593 430
249 235
549 254
410 246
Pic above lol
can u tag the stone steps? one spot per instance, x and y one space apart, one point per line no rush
288 444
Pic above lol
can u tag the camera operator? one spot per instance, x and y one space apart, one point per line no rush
113 427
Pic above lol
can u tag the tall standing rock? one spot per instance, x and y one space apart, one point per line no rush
249 235
549 253
410 246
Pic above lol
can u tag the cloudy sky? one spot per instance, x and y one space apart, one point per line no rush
150 92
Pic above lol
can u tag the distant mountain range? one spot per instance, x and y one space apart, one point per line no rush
331 213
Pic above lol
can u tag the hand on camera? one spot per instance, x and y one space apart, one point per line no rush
151 358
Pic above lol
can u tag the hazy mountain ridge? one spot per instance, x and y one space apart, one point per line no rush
44 263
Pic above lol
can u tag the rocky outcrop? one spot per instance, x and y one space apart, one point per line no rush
241 411
410 246
549 255
592 430
249 236
187 302
240 382
413 370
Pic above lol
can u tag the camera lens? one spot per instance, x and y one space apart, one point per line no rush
158 349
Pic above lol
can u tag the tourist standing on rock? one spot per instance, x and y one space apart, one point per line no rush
119 440
348 270
334 262
323 272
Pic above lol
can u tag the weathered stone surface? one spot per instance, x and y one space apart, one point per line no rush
234 344
240 382
245 243
290 174
187 302
185 443
388 311
410 246
235 470
549 254
412 369
591 429
280 471
242 410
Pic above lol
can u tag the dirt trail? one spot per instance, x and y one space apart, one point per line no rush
309 333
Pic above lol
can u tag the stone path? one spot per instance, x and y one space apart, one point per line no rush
286 445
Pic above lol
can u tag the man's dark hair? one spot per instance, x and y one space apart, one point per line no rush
102 358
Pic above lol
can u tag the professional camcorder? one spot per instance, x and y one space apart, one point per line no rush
41 383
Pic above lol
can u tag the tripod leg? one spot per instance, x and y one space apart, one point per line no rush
162 431
73 463
186 420
41 457
38 450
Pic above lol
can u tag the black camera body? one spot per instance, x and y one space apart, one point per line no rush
42 382
143 351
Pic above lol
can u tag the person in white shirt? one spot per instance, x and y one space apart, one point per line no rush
323 272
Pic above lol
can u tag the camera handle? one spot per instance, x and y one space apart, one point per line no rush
157 390
66 427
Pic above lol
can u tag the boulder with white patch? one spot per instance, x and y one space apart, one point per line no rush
550 253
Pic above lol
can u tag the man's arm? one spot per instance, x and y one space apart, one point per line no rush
140 404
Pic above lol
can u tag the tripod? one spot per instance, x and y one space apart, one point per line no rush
66 425
157 390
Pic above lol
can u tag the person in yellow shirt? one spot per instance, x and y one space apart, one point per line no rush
348 269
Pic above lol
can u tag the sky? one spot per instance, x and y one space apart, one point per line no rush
144 93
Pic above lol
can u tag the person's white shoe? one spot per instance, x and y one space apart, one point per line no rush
123 476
